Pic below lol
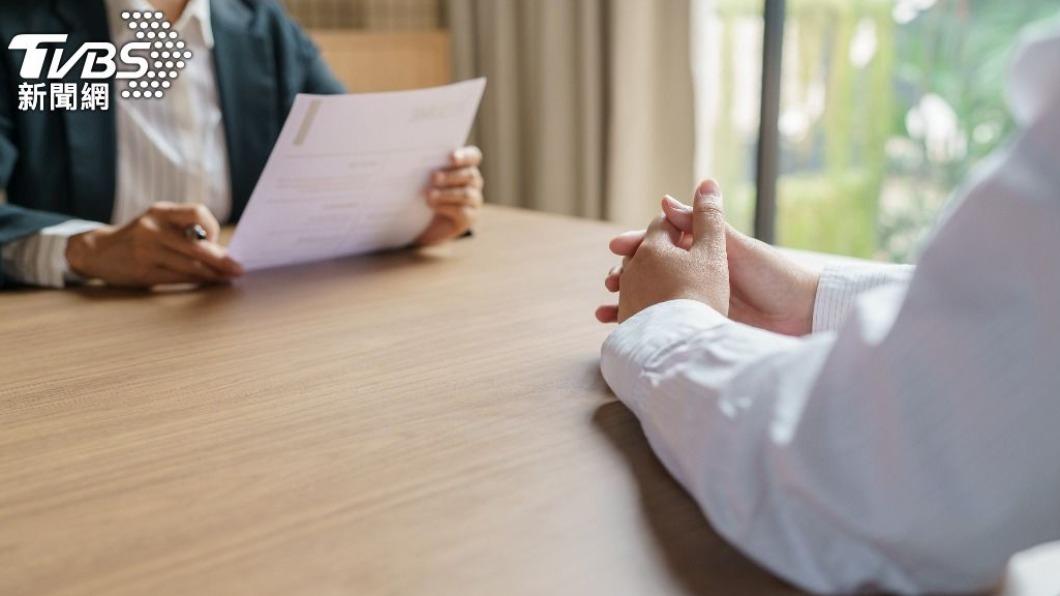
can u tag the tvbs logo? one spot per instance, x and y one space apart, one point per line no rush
147 66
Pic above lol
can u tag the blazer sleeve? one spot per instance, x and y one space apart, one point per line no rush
15 222
319 79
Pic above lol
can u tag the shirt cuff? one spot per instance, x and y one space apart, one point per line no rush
629 353
40 259
840 286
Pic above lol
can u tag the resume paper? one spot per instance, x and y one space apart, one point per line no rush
348 174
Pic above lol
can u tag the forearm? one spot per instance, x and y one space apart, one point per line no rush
840 462
707 395
40 259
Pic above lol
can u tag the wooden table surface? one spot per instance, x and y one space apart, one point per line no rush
412 423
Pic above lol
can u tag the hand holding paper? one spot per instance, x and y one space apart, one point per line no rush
348 172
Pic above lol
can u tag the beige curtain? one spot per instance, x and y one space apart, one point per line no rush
589 107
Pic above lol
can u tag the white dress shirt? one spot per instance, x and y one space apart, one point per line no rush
171 149
910 444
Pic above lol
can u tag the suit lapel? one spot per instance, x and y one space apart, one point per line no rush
91 137
245 66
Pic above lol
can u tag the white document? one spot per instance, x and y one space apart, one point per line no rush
348 174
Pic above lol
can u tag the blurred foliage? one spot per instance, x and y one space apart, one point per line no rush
880 185
958 50
823 213
892 135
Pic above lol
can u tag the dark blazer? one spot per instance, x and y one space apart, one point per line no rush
62 165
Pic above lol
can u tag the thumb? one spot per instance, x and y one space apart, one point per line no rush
708 217
679 214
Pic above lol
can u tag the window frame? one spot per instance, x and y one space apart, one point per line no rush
767 166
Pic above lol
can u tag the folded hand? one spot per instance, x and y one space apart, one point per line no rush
665 263
767 289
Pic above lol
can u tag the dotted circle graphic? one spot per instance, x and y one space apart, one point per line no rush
166 59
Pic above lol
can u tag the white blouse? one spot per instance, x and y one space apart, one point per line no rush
910 444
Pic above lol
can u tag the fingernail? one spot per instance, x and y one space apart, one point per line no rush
676 204
439 178
708 187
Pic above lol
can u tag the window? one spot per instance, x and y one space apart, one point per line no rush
727 38
885 106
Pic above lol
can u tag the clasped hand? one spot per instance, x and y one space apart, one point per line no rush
692 253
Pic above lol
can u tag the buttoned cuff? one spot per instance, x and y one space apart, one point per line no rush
840 286
629 355
40 259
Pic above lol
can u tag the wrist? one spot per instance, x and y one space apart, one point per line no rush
79 250
421 240
809 280
440 230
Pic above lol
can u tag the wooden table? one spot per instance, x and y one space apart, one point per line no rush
413 423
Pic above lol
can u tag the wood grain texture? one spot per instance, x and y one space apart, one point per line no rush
386 61
428 422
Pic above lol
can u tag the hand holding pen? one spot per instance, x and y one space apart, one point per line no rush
169 244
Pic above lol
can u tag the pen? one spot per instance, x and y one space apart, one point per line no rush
195 232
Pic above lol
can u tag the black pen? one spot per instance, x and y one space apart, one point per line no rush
195 232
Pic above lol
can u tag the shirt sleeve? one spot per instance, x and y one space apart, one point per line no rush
912 450
40 259
841 285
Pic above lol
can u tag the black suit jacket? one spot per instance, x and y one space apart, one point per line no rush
63 165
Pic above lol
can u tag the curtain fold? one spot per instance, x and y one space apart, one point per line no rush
589 109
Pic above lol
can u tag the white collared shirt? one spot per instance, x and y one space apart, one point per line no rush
911 443
171 149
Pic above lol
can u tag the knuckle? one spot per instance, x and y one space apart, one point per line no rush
647 250
711 211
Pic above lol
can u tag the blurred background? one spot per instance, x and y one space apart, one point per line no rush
596 108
